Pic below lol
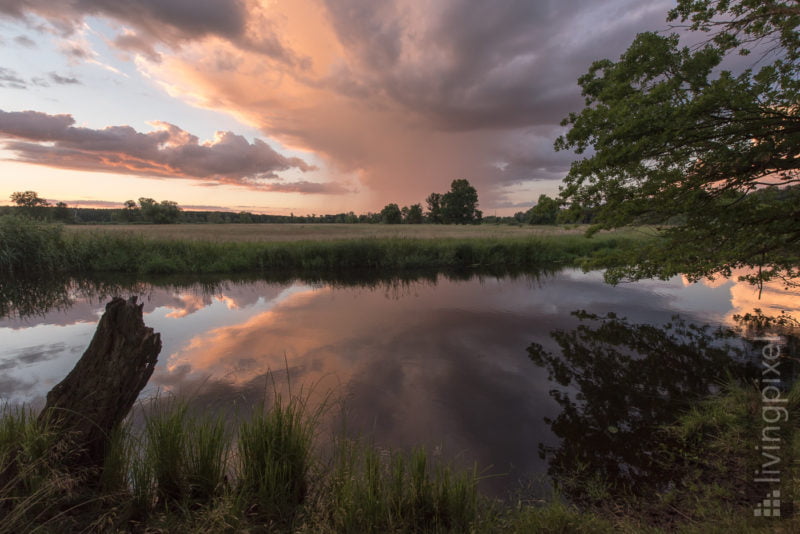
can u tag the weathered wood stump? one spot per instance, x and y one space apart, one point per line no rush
99 392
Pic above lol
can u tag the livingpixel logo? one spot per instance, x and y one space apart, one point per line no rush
769 507
774 414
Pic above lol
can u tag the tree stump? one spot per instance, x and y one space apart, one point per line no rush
100 390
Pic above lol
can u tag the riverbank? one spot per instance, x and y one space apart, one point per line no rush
188 472
33 248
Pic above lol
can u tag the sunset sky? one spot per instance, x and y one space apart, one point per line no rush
304 106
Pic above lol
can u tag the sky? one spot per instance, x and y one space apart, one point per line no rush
297 106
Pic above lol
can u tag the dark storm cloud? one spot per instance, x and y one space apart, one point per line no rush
412 94
169 22
168 152
476 65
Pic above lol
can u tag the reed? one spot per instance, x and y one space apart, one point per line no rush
370 490
275 459
28 246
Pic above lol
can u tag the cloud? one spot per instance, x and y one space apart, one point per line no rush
9 78
24 40
63 80
168 22
166 152
131 42
401 96
406 96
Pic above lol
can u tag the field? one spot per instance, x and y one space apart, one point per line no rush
321 232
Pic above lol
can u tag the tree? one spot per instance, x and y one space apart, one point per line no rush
434 202
544 212
165 212
459 205
413 214
61 212
676 135
30 203
130 212
391 214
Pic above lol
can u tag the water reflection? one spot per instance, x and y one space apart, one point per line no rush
622 382
436 360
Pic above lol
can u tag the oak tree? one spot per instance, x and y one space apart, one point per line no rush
703 140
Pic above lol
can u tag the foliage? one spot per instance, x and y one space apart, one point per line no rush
681 135
434 202
28 199
459 205
413 214
544 212
30 203
391 214
165 212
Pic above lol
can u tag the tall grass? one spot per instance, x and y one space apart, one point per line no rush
394 492
179 459
30 247
34 486
275 459
191 472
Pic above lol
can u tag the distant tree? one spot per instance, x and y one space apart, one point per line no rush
460 203
391 214
130 212
61 212
434 202
351 218
165 212
28 199
413 214
30 203
544 212
245 217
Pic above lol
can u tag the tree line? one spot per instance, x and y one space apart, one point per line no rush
457 206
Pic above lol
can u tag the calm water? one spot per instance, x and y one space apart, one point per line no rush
441 363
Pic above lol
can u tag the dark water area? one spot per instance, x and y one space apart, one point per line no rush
526 375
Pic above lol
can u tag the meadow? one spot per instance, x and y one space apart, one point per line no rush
322 232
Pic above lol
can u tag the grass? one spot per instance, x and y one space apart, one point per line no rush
227 233
34 248
185 472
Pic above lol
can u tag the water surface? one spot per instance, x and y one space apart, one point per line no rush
437 362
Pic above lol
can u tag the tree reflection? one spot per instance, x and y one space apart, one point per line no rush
622 383
22 297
